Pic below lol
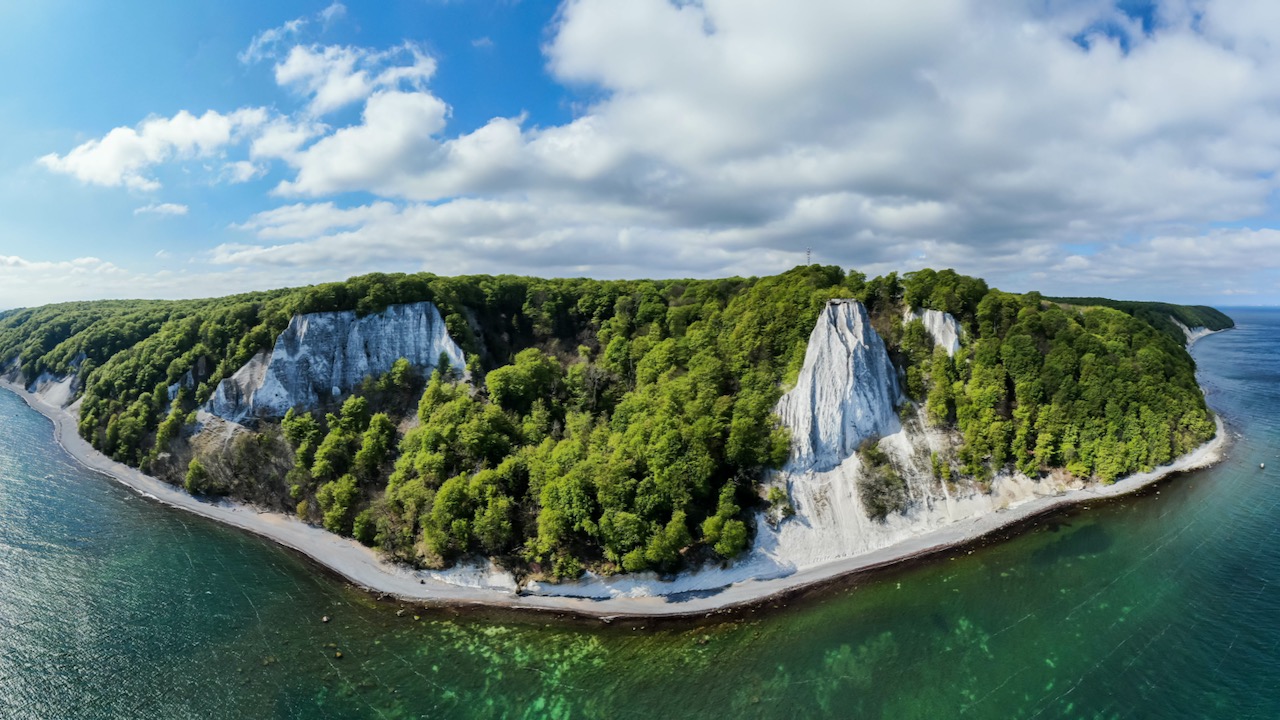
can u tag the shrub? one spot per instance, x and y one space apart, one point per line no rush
198 481
881 489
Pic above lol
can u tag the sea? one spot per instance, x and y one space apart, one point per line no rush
1160 605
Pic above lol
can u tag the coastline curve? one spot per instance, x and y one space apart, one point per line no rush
489 588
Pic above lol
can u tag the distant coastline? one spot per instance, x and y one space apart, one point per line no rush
477 586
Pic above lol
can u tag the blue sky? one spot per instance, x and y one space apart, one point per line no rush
180 149
78 69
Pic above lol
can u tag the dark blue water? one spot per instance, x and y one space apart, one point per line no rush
1160 606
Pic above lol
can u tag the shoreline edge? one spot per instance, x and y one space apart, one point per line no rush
361 566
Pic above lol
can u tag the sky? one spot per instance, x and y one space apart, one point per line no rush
1126 149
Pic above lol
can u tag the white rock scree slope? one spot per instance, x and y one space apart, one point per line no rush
322 355
847 392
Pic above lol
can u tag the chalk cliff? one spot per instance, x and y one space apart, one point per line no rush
846 392
58 390
942 327
1193 333
322 355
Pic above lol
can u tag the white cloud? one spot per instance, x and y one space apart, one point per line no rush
27 283
727 136
333 13
283 138
768 105
306 221
555 238
1229 261
242 171
162 209
328 74
266 43
335 76
79 265
460 235
120 157
963 133
393 142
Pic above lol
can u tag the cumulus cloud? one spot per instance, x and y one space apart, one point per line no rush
992 138
162 209
1022 142
790 104
121 156
282 138
390 147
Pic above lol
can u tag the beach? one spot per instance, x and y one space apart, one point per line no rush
477 585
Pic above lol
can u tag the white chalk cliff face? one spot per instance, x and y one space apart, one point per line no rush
847 390
1193 333
846 393
942 327
322 355
57 390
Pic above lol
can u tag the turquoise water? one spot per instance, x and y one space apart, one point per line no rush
1165 605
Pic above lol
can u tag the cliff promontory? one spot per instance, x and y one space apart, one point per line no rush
562 427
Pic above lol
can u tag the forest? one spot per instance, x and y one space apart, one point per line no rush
616 426
1158 315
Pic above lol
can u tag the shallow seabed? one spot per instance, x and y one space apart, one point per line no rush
1164 605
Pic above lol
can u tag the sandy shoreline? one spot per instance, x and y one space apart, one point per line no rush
361 565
